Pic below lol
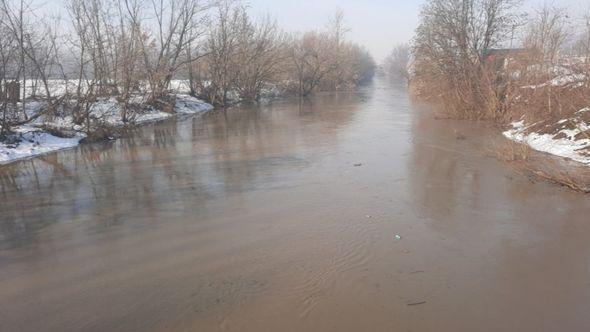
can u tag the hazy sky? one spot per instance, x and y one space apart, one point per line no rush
376 24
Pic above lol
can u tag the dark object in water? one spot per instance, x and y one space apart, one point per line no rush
416 303
459 136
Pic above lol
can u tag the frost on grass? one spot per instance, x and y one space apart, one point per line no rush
568 138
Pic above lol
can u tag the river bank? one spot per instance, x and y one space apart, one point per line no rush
54 132
550 118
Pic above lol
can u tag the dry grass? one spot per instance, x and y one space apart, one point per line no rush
540 166
524 87
548 102
509 151
470 93
558 175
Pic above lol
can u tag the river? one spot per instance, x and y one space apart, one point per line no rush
346 212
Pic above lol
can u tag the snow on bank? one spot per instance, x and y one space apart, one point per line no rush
186 104
34 142
570 139
109 113
59 87
30 140
577 80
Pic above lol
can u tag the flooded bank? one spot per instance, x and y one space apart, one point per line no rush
347 212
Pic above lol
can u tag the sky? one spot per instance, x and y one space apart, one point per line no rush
378 25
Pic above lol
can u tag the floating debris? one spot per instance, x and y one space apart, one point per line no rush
416 303
397 237
459 136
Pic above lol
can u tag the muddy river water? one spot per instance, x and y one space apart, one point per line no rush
346 212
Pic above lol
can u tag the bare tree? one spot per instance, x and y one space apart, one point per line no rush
397 63
177 25
312 61
221 49
450 47
258 56
547 34
361 66
13 21
582 45
94 68
129 41
35 50
8 50
339 52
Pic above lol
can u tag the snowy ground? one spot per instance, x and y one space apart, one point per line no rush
31 140
58 87
576 80
568 138
34 142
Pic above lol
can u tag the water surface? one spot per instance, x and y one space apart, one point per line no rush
347 212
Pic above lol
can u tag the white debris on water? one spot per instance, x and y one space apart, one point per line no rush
566 141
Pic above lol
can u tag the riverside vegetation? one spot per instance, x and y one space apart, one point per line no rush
491 60
109 64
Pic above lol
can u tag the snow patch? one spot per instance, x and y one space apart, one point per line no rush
34 142
30 140
567 147
560 81
186 104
